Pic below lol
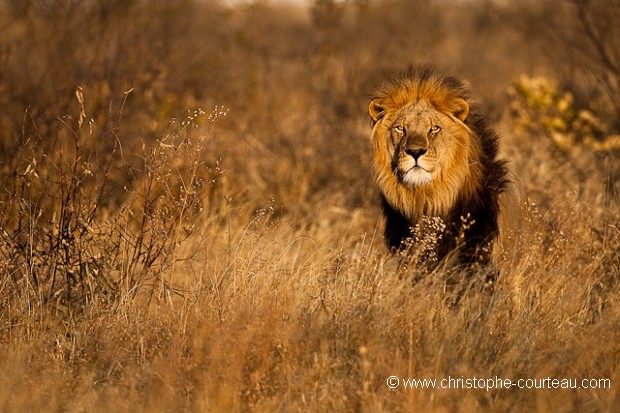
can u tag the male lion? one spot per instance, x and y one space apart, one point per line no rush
433 156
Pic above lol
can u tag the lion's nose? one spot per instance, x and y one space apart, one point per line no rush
415 153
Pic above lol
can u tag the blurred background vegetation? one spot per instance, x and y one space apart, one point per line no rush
296 79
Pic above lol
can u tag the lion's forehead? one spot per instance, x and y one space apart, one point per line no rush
419 113
413 114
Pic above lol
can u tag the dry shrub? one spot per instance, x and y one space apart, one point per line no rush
66 244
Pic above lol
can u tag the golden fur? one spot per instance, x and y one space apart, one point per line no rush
455 152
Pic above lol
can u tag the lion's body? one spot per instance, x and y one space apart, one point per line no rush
434 157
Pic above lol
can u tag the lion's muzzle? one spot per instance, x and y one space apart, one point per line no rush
415 153
412 166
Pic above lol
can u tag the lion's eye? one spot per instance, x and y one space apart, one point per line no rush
399 129
435 128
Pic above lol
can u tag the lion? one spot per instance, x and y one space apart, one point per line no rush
434 156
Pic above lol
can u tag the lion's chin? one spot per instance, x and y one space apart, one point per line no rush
416 177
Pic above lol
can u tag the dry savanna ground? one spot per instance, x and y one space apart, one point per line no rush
188 221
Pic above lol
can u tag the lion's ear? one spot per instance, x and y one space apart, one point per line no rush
461 109
376 110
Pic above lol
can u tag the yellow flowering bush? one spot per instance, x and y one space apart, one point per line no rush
540 106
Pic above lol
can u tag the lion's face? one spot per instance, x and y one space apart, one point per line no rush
422 152
422 143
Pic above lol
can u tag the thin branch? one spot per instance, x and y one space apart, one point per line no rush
595 39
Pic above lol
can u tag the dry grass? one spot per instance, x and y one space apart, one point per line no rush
155 259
